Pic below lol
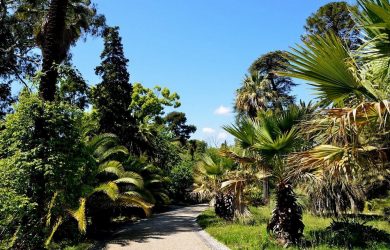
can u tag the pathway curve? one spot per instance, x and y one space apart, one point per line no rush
173 230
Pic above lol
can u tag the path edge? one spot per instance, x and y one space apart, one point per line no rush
210 241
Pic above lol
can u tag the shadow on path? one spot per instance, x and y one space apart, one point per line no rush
165 226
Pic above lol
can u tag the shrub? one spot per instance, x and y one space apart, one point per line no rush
181 180
351 233
41 155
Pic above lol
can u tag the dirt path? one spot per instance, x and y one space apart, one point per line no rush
173 230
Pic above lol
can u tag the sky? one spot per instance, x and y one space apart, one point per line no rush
200 49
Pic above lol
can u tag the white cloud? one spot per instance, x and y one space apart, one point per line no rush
222 136
208 130
222 110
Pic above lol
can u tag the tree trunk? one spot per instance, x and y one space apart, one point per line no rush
53 52
286 221
354 208
53 47
266 190
278 104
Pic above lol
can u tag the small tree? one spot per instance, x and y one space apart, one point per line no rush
176 122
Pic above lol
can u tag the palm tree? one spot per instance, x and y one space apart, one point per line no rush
245 132
58 24
264 88
208 176
237 180
271 138
113 183
250 97
351 137
53 49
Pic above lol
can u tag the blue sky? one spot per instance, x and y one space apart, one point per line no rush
200 49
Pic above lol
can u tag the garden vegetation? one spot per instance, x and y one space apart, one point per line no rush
75 159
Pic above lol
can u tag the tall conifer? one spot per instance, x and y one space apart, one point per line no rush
112 96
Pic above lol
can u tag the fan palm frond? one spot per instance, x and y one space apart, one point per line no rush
331 70
244 132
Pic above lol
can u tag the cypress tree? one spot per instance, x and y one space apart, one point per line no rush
112 96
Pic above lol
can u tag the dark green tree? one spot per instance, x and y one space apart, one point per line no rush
73 89
17 58
6 99
196 148
112 97
335 17
17 61
264 89
176 122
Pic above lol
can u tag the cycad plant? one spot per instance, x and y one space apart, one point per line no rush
155 183
105 180
111 181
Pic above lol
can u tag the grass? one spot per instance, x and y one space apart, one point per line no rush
252 234
81 246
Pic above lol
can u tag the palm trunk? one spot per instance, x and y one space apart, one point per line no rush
53 52
354 208
266 190
53 48
241 210
286 222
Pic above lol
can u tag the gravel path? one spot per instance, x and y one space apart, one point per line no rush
173 230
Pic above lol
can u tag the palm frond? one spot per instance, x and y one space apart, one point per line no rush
100 140
131 200
374 19
327 64
244 132
53 231
111 167
232 184
110 189
363 114
80 216
112 151
131 178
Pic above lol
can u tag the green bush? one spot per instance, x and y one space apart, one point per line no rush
42 156
181 180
